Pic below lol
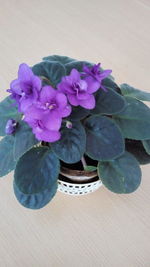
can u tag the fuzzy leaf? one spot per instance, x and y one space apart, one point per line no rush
108 102
35 201
104 139
24 139
134 120
78 113
61 59
7 162
122 175
136 148
71 147
128 90
109 83
53 71
36 171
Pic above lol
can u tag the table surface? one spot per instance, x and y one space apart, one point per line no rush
101 229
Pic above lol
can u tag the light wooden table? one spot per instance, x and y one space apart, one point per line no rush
101 229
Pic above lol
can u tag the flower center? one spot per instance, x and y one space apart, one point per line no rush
23 94
28 89
51 105
80 87
95 70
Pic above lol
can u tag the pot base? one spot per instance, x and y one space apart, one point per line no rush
75 189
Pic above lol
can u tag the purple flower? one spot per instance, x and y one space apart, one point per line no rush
95 76
79 91
10 126
45 116
41 132
25 90
54 105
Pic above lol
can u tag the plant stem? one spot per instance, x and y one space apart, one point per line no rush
46 79
83 162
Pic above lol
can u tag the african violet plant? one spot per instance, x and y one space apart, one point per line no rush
62 110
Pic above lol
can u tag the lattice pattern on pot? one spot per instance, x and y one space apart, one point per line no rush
78 189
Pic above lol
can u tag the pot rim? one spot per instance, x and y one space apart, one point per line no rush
70 172
78 176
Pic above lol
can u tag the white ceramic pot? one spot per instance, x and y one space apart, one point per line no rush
75 182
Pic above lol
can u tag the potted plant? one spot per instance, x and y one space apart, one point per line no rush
68 126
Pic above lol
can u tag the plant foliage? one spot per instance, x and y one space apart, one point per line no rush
111 127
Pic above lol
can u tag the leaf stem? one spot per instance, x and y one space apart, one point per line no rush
46 79
83 162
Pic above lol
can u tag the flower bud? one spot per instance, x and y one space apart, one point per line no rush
69 124
10 126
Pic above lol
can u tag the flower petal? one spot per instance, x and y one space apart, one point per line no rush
93 84
15 87
105 73
61 100
86 69
61 87
89 103
82 95
52 121
74 76
25 73
48 136
47 94
34 113
30 122
25 104
36 82
73 100
65 87
66 111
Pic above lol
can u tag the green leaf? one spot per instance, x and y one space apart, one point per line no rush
146 144
61 59
104 139
90 168
24 139
128 90
134 120
36 171
108 102
109 83
35 201
71 147
7 111
78 65
122 175
136 148
78 113
7 162
53 71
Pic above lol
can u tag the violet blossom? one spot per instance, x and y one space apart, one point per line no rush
45 116
41 132
44 108
25 89
95 75
79 91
